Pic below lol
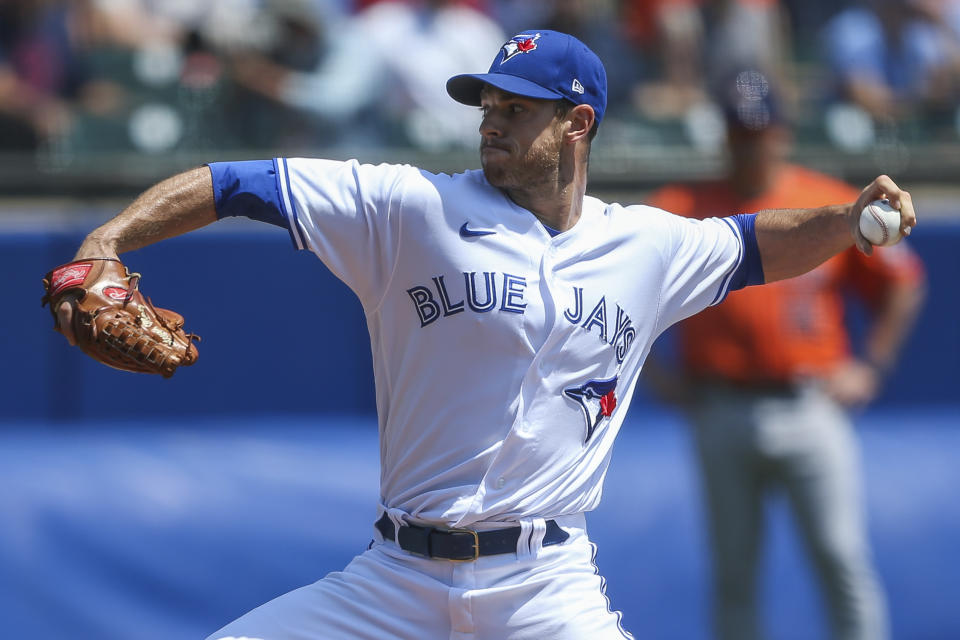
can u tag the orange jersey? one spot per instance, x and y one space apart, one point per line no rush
789 328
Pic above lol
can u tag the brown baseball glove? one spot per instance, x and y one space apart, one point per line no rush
113 323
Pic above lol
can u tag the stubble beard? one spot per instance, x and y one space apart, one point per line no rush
539 166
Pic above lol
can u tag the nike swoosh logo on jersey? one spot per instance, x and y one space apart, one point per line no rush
473 233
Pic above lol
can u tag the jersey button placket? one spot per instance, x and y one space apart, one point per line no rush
548 274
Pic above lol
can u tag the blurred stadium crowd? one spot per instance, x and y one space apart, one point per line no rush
156 76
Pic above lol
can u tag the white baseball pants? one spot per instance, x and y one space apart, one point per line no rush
539 592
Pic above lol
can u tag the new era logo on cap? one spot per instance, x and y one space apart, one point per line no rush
540 64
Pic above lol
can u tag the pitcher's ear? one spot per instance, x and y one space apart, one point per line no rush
582 119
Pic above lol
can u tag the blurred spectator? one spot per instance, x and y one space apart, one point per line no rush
517 15
479 5
806 19
745 33
421 44
181 52
893 58
136 23
44 78
388 64
223 25
321 72
767 377
272 110
671 32
595 23
697 42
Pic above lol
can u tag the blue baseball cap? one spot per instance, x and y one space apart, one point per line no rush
540 64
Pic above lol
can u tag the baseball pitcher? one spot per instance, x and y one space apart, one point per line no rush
509 316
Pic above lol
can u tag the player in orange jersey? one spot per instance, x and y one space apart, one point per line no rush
768 377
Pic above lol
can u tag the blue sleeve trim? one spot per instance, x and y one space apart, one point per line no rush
248 189
750 270
724 288
289 204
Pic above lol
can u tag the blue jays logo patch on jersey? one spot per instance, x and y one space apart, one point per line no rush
597 399
519 44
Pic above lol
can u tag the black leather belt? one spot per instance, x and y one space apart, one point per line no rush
461 545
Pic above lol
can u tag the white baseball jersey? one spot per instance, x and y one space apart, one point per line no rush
505 356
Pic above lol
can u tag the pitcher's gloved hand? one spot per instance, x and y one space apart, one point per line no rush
112 322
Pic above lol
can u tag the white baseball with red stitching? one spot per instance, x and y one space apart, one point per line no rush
880 223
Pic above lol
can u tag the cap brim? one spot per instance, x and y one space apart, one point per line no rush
466 88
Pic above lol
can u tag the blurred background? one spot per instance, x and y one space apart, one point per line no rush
133 507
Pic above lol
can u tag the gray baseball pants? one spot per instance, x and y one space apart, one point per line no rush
798 440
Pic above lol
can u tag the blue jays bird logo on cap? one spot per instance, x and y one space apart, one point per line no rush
562 67
519 44
597 399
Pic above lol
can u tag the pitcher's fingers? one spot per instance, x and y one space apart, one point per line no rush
882 186
886 187
908 215
853 215
65 322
